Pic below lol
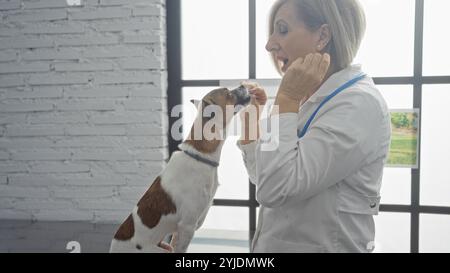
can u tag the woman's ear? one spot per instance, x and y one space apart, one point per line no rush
324 37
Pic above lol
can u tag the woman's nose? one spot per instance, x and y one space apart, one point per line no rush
271 45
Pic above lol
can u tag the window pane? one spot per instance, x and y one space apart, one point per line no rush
214 39
434 176
392 232
436 57
388 45
434 233
225 230
264 65
396 186
233 177
397 96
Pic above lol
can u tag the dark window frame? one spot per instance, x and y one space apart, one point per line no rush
176 83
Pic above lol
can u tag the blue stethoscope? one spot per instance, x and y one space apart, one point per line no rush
328 98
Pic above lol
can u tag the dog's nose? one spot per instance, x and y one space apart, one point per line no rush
241 94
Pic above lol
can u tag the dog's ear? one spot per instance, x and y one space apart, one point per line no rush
196 103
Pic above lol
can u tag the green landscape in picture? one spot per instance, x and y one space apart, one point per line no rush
403 149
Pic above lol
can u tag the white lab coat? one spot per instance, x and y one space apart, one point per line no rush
319 193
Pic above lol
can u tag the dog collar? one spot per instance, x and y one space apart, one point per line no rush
202 159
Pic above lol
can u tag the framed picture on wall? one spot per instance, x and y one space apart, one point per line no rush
404 138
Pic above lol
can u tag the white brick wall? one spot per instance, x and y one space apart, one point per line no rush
82 107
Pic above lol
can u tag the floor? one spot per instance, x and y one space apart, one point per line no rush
60 237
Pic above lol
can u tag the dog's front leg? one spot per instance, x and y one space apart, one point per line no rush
184 238
202 218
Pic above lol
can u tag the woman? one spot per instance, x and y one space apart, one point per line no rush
319 188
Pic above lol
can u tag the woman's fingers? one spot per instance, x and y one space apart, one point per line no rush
249 84
165 246
316 59
260 95
324 64
257 91
298 62
308 60
319 65
303 79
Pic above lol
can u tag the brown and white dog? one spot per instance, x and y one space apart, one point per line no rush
179 199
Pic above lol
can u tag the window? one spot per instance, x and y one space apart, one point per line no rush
225 230
396 186
387 49
392 232
214 39
435 188
436 57
404 50
434 235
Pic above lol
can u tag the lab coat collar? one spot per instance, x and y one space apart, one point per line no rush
335 81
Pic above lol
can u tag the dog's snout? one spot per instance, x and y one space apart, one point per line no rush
240 91
242 95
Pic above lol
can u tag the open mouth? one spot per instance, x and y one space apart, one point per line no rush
284 62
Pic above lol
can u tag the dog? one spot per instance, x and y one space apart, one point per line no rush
178 200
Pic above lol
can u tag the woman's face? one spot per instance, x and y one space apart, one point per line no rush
291 39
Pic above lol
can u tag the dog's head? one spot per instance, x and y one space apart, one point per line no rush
218 107
223 97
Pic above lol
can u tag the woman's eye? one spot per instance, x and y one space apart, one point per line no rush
282 29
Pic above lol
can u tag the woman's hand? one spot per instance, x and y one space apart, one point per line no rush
166 246
169 247
302 79
251 114
258 94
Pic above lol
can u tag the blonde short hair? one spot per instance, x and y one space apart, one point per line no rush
345 18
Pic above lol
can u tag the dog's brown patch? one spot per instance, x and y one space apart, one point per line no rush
126 230
154 204
202 145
